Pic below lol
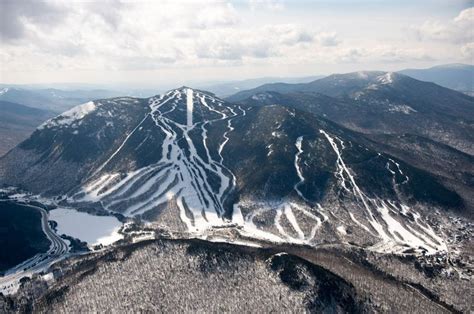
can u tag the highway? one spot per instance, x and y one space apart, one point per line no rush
58 250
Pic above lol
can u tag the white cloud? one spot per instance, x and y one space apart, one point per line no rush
285 34
15 14
216 16
350 55
467 51
273 5
465 17
153 35
457 30
326 39
381 54
183 36
265 42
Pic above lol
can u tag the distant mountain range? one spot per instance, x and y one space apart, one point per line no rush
50 99
456 76
459 77
17 122
229 88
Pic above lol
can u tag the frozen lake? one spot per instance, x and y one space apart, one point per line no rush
86 227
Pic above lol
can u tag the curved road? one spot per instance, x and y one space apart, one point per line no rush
40 262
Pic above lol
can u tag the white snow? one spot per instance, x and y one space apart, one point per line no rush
270 150
386 79
217 239
277 134
4 91
69 117
298 144
48 277
394 234
261 96
86 227
294 223
341 230
401 108
189 107
283 210
121 146
181 174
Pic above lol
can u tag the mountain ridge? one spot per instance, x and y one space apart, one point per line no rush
456 76
17 122
389 92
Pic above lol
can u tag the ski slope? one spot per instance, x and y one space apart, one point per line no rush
192 178
182 176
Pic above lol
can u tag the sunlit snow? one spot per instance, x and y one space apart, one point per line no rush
70 116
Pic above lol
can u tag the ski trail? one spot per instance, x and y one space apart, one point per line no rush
198 181
120 147
298 144
344 170
395 235
189 107
406 178
192 175
294 223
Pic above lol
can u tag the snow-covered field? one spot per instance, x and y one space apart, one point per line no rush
85 227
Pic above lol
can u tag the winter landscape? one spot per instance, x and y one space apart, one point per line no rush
210 156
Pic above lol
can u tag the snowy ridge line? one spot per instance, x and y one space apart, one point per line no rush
394 235
71 116
182 175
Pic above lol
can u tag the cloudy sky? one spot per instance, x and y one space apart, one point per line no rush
177 42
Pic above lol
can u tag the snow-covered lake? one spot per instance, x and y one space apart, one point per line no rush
86 227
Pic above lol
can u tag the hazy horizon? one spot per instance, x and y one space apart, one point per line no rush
170 85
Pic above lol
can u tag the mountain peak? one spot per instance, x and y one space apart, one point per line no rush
387 78
184 90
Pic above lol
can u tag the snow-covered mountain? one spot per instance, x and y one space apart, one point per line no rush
362 228
195 163
425 125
